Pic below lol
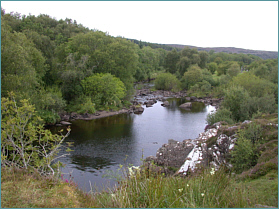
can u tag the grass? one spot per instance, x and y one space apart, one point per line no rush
22 189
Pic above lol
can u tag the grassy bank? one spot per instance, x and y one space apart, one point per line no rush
209 189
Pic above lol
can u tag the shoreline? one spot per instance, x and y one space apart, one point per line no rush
142 97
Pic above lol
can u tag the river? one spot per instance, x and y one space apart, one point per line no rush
101 145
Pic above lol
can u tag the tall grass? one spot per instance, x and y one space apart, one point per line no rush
203 191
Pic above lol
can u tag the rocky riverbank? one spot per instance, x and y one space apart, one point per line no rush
209 149
143 97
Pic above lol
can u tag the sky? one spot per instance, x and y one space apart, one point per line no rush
241 24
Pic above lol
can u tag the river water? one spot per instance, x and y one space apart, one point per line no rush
101 145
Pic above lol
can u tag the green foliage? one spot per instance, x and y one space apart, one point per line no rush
212 67
191 77
255 86
148 63
167 81
24 141
49 117
235 100
233 70
22 65
204 56
104 89
244 154
222 114
203 87
172 58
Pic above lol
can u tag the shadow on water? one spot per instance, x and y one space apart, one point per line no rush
101 145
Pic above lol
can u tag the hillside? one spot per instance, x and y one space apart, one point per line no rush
259 53
263 54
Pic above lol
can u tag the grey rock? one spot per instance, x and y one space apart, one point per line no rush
187 105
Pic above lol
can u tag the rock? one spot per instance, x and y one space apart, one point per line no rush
73 115
138 110
65 123
193 98
187 105
165 104
174 153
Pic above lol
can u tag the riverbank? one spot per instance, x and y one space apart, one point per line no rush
143 97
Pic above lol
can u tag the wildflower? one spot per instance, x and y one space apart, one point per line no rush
131 172
112 195
66 181
202 194
187 185
180 190
212 171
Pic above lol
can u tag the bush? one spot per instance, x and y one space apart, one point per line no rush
244 154
104 89
167 81
82 104
191 77
222 114
49 117
24 141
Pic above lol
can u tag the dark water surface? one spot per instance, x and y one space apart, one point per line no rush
100 145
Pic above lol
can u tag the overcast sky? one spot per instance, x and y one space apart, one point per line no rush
248 25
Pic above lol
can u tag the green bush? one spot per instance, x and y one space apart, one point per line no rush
49 117
167 81
222 114
82 104
24 141
244 154
104 89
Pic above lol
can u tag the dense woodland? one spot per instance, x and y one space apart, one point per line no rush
60 65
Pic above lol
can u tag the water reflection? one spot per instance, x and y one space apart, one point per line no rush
101 145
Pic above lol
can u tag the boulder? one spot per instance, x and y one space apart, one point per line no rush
138 110
187 105
193 98
165 103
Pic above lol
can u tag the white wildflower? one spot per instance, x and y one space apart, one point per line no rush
212 172
113 195
180 190
202 194
187 185
131 172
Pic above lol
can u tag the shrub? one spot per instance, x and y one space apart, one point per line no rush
235 99
104 89
222 114
167 81
244 154
49 117
24 141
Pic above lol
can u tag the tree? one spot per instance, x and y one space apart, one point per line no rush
172 58
203 58
234 99
24 141
212 67
191 77
233 70
167 81
183 64
22 65
256 86
104 89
